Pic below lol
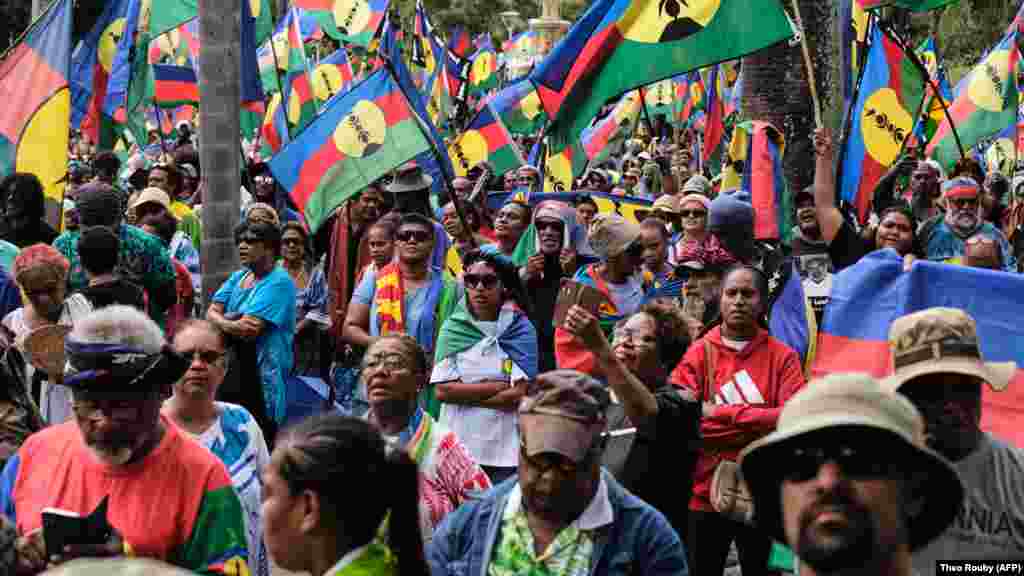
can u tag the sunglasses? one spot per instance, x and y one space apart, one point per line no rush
292 242
410 236
205 356
964 202
855 462
480 281
249 239
693 213
543 225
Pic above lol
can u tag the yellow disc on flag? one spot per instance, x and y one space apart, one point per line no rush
482 68
987 83
294 106
107 48
327 81
352 16
468 150
428 56
696 91
558 174
666 20
46 132
362 131
280 42
885 124
530 105
256 8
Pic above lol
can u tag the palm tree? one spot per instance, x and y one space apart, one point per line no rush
775 88
219 149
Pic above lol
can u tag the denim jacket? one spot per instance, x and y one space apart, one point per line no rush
639 541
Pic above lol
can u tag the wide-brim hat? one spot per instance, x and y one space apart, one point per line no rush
410 178
44 348
941 341
856 402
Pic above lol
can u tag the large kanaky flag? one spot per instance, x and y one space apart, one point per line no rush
91 63
35 118
868 296
360 136
882 119
620 45
485 140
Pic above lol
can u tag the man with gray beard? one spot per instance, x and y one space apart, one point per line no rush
847 481
944 236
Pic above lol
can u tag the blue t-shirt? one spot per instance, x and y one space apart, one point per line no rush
272 299
412 304
945 246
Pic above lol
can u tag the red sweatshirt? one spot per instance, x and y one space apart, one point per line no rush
749 390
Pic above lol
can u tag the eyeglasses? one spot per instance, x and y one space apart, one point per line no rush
292 242
543 225
480 281
855 462
692 213
390 362
409 236
637 338
123 410
205 356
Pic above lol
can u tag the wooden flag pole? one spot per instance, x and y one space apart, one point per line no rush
809 65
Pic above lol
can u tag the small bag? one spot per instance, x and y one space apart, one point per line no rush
730 495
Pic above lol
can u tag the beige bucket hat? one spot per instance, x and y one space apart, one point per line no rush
857 401
941 341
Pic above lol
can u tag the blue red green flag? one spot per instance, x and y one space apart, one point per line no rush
275 126
598 140
985 102
359 137
485 140
714 126
520 108
174 86
619 45
459 42
483 69
891 94
933 112
351 21
36 116
90 69
755 165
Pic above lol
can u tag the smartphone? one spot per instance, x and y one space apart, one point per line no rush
573 293
64 527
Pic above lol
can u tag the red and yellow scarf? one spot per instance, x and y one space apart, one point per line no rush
388 298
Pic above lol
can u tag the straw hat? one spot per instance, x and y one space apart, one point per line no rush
44 348
852 401
941 341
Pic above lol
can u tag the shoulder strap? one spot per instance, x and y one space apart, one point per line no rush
709 370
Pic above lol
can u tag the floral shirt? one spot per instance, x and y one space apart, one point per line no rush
569 554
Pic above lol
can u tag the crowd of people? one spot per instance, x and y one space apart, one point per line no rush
477 419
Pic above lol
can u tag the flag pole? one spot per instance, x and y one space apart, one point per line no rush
647 115
280 85
809 65
886 28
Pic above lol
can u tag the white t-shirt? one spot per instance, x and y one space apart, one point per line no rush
491 436
990 525
628 297
54 399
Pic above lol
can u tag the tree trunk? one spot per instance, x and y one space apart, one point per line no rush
775 88
220 95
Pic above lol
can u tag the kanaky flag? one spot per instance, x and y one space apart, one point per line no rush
125 65
90 68
300 105
485 140
359 137
714 127
734 104
174 86
519 108
275 125
755 165
792 319
459 42
456 73
36 116
332 75
855 330
891 93
620 45
618 125
692 101
562 167
483 68
985 103
351 21
933 112
271 65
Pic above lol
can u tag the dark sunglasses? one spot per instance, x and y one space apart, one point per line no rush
249 239
548 224
292 242
418 236
485 281
206 356
693 213
855 462
964 202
